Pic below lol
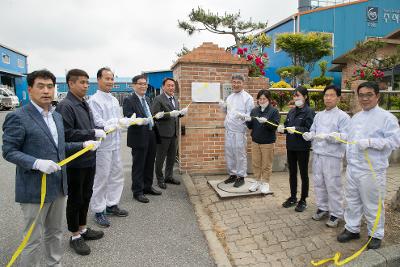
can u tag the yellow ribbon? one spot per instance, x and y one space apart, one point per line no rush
336 258
43 195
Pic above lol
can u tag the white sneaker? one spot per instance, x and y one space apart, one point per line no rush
254 187
264 188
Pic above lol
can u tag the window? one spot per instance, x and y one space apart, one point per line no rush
20 63
5 58
116 86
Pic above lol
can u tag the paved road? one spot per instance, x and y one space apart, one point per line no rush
162 233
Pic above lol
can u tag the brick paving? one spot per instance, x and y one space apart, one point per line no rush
257 231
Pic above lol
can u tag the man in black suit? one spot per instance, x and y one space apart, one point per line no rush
142 138
168 127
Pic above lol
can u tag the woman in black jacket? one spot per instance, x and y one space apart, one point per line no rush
299 118
264 137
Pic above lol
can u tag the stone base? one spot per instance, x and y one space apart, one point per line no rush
227 190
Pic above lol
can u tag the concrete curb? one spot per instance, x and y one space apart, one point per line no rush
216 249
384 257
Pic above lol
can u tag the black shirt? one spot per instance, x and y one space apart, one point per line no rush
78 127
263 133
301 119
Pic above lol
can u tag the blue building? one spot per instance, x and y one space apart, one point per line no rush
123 85
13 69
348 23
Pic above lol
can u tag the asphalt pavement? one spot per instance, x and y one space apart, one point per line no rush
163 232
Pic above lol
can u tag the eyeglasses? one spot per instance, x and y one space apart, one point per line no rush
141 84
366 96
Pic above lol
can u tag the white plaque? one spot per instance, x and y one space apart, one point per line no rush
206 92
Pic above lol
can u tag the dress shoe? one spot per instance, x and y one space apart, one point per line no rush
152 191
346 236
141 198
375 243
162 185
172 181
239 182
230 179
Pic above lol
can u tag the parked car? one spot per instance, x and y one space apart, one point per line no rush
8 100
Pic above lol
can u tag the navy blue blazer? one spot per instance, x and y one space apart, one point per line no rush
26 138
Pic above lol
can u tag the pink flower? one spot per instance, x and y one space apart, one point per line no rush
240 51
245 49
362 74
258 61
250 57
265 55
263 72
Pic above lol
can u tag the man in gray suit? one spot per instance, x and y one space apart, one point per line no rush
33 139
168 126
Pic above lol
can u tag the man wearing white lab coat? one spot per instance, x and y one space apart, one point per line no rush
109 179
328 154
238 106
375 131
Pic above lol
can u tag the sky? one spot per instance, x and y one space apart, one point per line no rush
127 36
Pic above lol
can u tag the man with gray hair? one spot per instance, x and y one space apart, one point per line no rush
237 107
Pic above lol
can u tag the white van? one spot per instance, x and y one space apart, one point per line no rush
8 99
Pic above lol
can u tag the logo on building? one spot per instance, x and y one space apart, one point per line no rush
372 14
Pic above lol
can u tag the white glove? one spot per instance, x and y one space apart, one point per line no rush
320 137
175 113
183 111
334 136
126 122
95 144
247 118
99 133
281 129
222 103
262 120
46 166
159 115
308 136
363 144
141 121
290 129
239 116
110 128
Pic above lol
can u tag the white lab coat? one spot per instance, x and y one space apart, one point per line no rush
327 160
235 133
109 179
362 190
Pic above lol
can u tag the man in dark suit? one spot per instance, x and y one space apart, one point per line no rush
33 140
142 138
168 126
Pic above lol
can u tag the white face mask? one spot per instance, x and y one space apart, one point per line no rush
298 102
263 106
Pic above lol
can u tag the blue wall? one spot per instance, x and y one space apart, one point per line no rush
14 57
155 78
348 24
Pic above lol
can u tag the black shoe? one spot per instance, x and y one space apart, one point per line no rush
375 243
231 179
91 234
346 236
239 182
290 202
141 198
79 246
116 211
301 206
172 181
162 185
152 191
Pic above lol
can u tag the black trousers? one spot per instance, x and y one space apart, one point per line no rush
143 165
80 189
301 159
167 149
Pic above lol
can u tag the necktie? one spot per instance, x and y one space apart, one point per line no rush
147 112
171 99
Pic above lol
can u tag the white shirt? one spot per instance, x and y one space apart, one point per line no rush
378 125
240 102
49 120
325 122
105 107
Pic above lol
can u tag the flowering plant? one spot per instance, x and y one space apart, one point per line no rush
365 72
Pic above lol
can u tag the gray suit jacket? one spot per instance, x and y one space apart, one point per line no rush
26 137
167 126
